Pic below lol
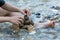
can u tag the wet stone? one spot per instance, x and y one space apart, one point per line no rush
37 14
57 14
53 7
56 7
48 17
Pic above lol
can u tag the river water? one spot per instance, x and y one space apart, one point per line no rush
43 7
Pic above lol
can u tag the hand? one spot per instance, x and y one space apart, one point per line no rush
51 24
16 20
26 12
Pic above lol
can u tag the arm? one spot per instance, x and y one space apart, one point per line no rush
11 8
15 19
4 19
50 24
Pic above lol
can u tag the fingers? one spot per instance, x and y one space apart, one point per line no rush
17 20
20 20
27 12
20 17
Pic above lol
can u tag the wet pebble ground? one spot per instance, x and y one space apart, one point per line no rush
39 9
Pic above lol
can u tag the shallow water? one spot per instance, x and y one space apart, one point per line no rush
36 6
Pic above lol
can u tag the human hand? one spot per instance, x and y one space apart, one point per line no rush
51 24
26 12
16 20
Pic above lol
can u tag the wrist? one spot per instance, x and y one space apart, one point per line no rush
9 19
4 19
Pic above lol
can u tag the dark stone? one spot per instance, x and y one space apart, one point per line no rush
57 7
48 17
37 14
26 17
53 7
57 14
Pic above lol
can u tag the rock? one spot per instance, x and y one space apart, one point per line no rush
37 14
56 7
53 7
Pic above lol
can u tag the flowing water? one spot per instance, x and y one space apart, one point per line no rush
43 7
